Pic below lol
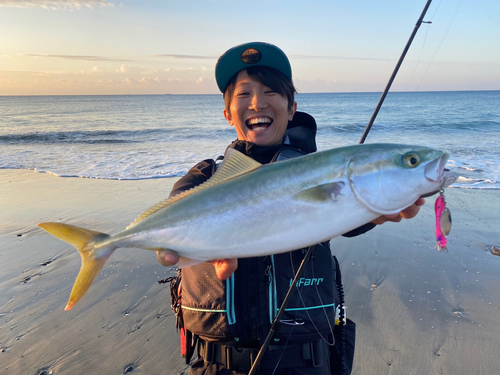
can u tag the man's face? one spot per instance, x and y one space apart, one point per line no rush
259 114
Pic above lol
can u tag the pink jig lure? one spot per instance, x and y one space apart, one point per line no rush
443 222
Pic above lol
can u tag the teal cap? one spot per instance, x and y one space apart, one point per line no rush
247 55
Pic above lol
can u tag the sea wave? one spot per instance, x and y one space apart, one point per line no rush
111 136
89 176
180 170
335 126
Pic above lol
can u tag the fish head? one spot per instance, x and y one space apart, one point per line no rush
387 178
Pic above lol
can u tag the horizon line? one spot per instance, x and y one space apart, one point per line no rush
303 93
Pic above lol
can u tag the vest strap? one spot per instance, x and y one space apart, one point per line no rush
311 354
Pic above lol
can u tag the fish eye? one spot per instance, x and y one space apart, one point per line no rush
411 160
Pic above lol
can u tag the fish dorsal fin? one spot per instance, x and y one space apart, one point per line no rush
235 164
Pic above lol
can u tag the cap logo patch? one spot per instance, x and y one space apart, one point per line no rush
251 56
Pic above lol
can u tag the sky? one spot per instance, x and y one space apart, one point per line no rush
105 47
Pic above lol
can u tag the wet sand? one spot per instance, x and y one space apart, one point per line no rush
418 311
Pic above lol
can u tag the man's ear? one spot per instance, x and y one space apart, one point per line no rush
292 111
228 117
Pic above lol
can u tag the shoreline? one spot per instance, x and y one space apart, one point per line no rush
418 311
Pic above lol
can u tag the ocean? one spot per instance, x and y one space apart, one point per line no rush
157 136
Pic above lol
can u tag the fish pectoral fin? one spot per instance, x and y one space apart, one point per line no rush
188 262
321 193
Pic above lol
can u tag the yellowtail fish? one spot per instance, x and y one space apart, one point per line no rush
248 209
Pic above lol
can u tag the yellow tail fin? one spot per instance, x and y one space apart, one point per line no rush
87 242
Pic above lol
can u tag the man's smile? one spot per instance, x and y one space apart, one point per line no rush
259 123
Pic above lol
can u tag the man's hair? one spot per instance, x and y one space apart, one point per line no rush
269 77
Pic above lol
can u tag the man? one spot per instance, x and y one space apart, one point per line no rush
229 304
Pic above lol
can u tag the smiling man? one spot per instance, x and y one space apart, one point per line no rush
259 113
259 98
230 304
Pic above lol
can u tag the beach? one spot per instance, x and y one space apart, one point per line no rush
418 310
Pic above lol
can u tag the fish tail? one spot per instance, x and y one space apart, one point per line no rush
87 242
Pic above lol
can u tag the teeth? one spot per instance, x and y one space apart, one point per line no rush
261 120
259 128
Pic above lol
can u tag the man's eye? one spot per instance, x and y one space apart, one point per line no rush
243 93
271 92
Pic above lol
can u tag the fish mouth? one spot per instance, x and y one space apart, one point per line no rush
435 171
446 180
259 123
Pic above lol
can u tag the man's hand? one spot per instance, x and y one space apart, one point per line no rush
407 213
224 268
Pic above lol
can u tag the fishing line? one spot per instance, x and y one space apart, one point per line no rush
418 60
283 352
423 46
295 273
321 301
276 322
440 44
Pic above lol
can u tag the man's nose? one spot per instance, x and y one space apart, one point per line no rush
259 102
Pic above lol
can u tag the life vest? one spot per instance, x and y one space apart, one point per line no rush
240 310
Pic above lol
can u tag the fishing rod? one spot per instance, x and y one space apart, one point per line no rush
396 69
276 322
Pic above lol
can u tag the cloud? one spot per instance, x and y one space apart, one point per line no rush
94 70
131 81
137 70
150 80
108 81
123 68
203 80
338 58
98 69
56 4
86 82
75 57
174 56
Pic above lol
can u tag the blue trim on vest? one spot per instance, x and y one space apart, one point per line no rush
273 301
309 308
231 315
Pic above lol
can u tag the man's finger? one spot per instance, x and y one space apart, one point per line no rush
224 268
167 258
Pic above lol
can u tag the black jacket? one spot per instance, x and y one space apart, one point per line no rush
239 311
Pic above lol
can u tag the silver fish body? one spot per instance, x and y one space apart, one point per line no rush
291 204
247 209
